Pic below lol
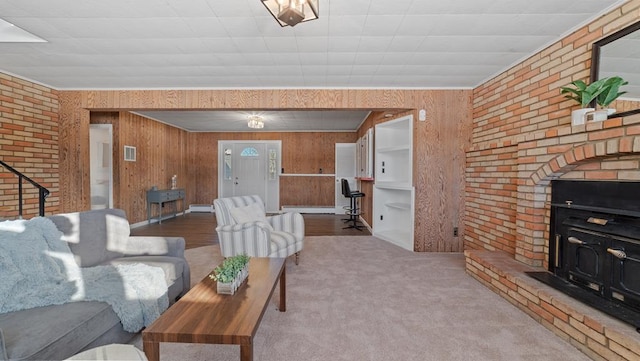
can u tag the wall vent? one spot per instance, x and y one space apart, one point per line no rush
129 153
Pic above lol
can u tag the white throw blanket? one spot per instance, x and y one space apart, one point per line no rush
38 269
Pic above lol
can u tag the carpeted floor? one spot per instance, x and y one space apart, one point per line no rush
360 298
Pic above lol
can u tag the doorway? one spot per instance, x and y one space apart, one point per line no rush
345 168
250 167
101 172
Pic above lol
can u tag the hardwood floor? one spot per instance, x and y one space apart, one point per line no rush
199 229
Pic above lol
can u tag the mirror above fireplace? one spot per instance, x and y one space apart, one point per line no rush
619 55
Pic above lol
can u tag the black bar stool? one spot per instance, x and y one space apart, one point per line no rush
353 211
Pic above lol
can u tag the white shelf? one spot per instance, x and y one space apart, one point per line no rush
307 175
393 185
393 192
400 148
403 206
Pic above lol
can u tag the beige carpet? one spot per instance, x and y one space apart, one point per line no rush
360 298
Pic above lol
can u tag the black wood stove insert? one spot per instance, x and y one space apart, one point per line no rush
594 246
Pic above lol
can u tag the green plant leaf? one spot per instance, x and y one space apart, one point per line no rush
611 91
582 93
227 271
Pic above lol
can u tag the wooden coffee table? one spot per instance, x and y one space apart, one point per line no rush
204 316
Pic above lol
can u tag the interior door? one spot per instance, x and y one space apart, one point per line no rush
345 168
101 173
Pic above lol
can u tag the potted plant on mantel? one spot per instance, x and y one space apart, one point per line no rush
610 93
603 91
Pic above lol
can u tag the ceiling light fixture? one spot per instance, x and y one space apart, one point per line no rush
255 122
292 12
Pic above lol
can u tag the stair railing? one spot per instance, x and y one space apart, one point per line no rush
42 191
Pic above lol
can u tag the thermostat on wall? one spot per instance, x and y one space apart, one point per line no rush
422 115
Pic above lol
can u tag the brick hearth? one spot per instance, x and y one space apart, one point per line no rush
594 333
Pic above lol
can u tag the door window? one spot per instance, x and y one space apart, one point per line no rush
250 152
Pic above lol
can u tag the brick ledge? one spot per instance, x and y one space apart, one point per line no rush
598 335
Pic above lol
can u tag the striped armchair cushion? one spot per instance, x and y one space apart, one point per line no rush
223 207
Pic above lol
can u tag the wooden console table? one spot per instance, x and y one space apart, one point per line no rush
204 316
162 196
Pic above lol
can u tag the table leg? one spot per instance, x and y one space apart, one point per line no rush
151 350
283 289
246 352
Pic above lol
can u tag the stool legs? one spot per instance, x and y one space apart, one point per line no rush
353 212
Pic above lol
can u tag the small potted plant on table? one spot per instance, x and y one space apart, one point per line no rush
230 274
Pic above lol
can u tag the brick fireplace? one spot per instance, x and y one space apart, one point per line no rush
607 150
521 141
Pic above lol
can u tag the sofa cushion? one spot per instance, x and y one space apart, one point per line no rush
173 268
48 333
92 235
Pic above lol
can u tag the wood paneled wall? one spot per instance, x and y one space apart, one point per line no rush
302 153
160 153
307 191
439 165
438 142
163 151
438 171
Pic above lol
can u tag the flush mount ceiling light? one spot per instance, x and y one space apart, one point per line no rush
292 12
255 122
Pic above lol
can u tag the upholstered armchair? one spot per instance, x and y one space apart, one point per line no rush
244 228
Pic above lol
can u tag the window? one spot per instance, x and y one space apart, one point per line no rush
129 153
272 164
250 152
227 164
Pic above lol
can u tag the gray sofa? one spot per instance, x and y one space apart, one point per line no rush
97 237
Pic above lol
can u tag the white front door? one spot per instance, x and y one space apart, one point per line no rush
250 173
248 168
345 168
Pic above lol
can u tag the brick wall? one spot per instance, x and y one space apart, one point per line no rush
521 126
522 139
28 143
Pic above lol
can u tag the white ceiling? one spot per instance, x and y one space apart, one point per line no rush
214 44
274 121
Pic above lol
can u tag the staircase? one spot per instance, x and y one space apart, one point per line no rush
42 192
